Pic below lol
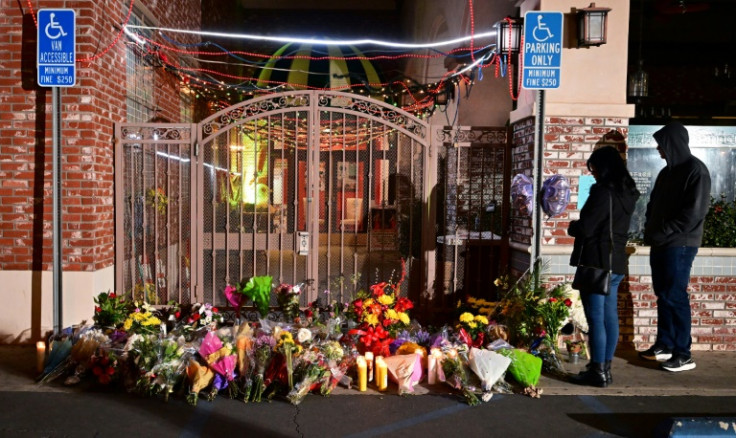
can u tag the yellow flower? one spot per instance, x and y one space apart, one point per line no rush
471 300
403 317
459 303
372 319
386 299
481 319
128 324
466 317
367 302
392 314
472 324
151 321
497 282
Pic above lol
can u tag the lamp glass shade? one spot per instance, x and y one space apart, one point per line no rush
592 23
509 40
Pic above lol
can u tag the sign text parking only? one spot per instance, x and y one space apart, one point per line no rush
542 60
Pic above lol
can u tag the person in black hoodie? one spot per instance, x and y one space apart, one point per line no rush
674 230
611 204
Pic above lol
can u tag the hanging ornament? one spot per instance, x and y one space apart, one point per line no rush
522 194
555 195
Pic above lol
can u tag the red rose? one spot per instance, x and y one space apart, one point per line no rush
177 315
553 300
568 302
97 371
308 313
196 316
97 309
113 295
214 310
110 371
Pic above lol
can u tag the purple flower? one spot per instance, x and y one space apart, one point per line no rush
393 346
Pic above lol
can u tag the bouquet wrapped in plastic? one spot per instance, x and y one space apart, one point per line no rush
456 375
309 370
525 368
200 378
221 359
405 370
262 356
489 367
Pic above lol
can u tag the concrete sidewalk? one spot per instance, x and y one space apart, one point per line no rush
715 375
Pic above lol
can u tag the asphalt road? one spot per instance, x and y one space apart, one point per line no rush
115 414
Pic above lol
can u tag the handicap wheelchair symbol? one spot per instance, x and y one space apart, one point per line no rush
53 25
542 28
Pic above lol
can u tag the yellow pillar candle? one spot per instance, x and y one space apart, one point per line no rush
40 355
381 374
369 363
362 374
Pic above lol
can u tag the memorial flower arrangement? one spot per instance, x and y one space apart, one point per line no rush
191 348
287 297
110 310
380 314
142 321
471 329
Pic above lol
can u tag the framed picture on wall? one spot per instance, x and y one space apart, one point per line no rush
347 176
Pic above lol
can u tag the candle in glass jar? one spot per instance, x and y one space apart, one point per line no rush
40 355
369 363
362 374
381 374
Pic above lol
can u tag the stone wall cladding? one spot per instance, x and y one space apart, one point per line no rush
89 112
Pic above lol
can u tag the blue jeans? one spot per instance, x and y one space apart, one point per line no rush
601 311
670 277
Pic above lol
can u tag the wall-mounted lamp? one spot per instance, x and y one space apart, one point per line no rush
592 25
508 35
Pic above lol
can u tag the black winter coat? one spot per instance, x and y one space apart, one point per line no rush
591 231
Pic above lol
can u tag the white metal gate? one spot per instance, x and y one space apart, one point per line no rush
325 188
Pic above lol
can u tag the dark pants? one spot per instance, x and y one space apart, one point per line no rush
601 311
670 278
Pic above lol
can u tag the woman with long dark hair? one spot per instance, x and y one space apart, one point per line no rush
607 211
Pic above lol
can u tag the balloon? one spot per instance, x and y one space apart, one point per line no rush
555 195
522 194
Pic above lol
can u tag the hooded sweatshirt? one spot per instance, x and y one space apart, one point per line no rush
681 195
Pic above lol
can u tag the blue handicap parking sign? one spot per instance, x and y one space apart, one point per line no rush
56 54
542 50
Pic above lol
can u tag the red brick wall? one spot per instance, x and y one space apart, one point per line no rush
89 112
713 303
569 141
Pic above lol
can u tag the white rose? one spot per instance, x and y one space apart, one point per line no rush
303 335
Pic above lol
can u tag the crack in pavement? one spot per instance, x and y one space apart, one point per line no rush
296 423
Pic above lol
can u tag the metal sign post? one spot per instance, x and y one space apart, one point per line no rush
56 54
